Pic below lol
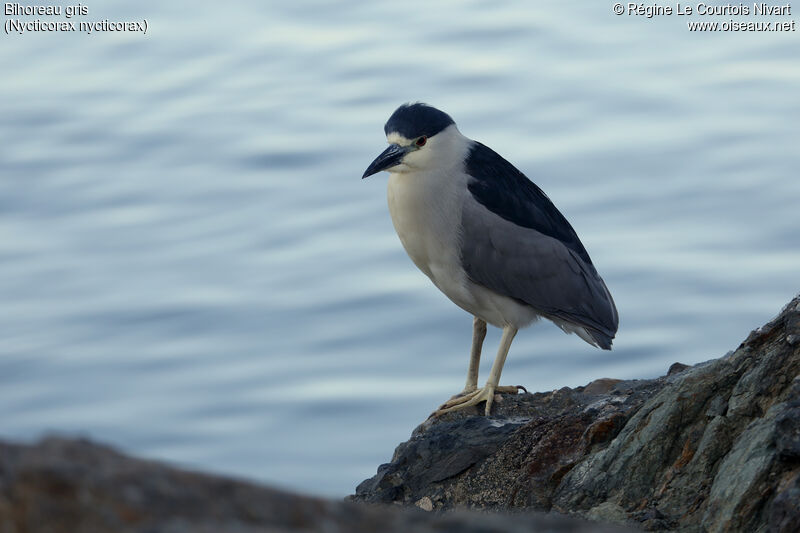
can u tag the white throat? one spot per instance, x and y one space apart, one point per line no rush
425 198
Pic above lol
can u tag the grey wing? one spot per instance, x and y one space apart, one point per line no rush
537 269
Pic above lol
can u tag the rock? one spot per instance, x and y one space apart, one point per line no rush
784 513
676 368
787 426
424 503
711 447
75 486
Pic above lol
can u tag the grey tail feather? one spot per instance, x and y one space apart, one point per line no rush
603 341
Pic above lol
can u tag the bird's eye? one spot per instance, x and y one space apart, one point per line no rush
421 141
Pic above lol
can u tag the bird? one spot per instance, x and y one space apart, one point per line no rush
489 239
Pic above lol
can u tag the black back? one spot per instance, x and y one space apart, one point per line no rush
507 192
415 120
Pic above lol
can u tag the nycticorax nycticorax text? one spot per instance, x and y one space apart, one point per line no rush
489 239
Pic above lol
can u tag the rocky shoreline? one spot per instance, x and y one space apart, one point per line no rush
713 447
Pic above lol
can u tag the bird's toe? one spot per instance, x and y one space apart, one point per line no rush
460 400
468 399
509 389
466 392
484 394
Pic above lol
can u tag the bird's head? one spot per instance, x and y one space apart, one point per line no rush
418 136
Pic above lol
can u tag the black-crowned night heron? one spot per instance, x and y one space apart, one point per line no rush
489 239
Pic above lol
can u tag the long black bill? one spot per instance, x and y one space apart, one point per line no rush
389 158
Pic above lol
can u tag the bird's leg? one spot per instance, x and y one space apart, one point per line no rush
486 393
478 334
497 367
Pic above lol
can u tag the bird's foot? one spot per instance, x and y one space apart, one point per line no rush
467 398
466 391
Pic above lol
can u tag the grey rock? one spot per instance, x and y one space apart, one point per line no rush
734 491
676 368
454 448
711 447
784 512
75 486
787 425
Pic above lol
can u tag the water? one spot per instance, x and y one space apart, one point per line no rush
192 269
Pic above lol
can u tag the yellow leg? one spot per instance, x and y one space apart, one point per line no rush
478 334
487 392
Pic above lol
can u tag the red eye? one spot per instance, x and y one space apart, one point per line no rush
421 141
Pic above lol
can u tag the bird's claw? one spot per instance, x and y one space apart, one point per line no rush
467 399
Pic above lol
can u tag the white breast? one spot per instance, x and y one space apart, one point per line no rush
426 211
